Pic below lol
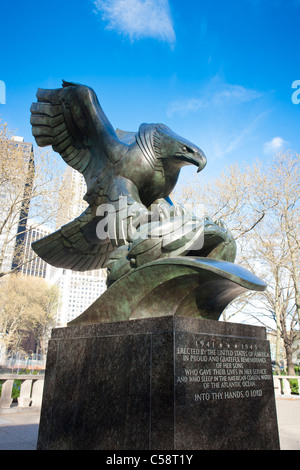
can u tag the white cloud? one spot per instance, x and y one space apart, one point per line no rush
216 94
236 93
185 106
274 146
138 19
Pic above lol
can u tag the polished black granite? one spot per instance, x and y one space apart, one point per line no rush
164 383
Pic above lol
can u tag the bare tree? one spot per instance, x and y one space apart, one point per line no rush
27 306
260 205
30 185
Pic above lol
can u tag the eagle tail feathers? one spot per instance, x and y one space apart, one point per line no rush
68 248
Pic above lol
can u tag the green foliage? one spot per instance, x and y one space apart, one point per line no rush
293 382
294 386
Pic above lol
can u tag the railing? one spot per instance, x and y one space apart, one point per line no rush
17 361
282 386
31 390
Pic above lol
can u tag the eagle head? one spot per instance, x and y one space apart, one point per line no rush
168 145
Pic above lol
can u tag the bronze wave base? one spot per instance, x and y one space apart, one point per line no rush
190 286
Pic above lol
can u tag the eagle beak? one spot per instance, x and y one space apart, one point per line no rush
196 157
201 161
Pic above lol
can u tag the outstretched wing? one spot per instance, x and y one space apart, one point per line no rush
73 246
87 242
71 120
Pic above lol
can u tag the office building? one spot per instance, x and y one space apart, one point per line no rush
35 266
78 290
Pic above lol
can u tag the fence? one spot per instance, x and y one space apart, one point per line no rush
282 385
31 390
18 361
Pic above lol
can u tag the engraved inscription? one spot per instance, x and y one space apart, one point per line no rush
223 369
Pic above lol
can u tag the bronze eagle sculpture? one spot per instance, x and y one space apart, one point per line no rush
143 167
155 263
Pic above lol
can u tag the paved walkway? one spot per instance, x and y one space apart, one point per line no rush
19 427
288 417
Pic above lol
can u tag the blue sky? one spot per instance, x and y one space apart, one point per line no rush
217 72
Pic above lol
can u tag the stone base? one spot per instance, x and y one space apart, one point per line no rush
165 383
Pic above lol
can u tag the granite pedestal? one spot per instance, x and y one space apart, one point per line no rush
164 383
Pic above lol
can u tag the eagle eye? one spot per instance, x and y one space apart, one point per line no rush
184 149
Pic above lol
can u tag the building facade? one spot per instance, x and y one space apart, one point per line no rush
78 290
34 266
